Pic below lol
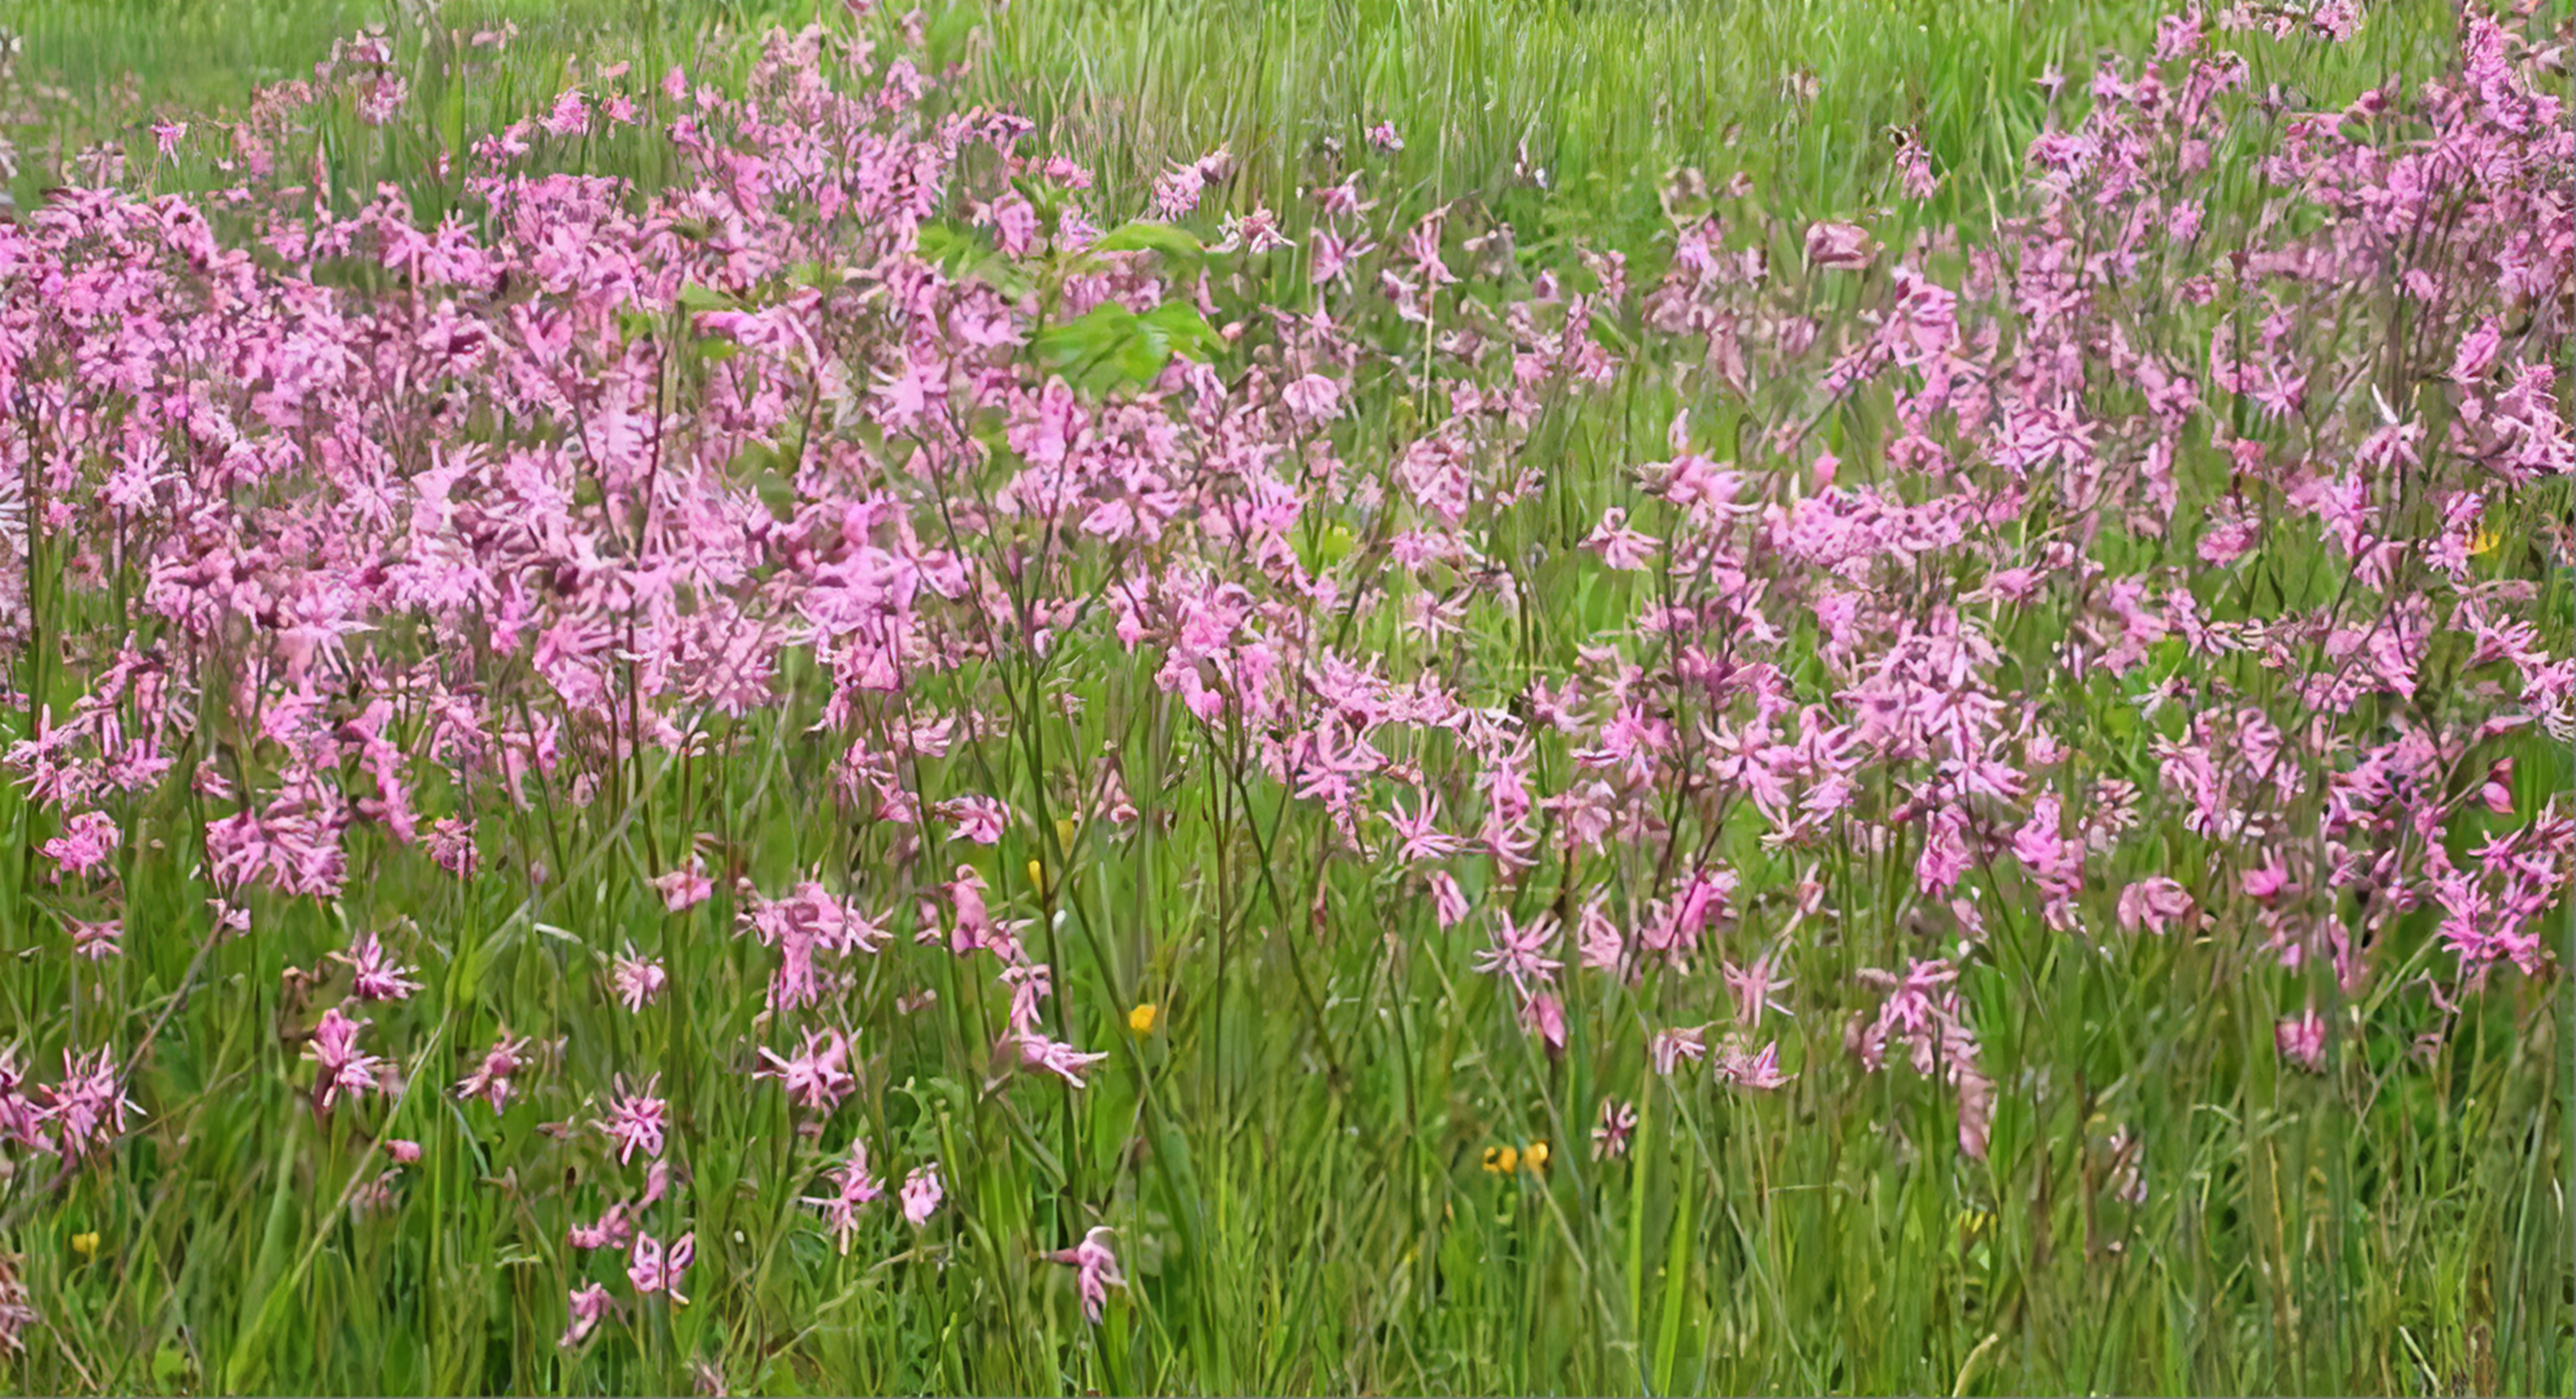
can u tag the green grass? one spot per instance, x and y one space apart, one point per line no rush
1293 1153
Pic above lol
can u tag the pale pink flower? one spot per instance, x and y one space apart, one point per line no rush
853 1187
685 889
638 980
1842 246
2154 904
1314 399
1517 951
921 1195
1668 1048
1618 1119
100 940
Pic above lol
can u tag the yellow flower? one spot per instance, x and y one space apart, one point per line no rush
1037 876
86 1245
1064 833
1535 1157
1141 1019
1502 1160
2485 542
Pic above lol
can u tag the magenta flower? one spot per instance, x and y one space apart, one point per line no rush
374 974
634 1121
340 1067
87 842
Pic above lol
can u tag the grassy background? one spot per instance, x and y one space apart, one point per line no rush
1312 1215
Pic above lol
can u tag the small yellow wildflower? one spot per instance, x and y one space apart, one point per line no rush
1535 1157
1037 876
1502 1160
2486 541
1141 1019
86 1245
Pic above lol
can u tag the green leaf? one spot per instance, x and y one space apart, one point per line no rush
1146 236
1185 330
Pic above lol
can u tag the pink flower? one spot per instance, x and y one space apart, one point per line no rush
853 1187
2302 1040
638 980
634 1121
1382 137
1314 399
1544 1016
87 841
85 1107
1448 901
334 1051
403 1150
1668 1048
653 1270
167 135
816 1078
1843 246
492 1078
1095 1270
684 889
921 1195
99 941
613 1230
1610 1139
588 1304
2154 904
1753 987
1619 546
1516 951
375 975
978 818
1055 1057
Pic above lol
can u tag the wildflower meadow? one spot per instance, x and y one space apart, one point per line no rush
1353 696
